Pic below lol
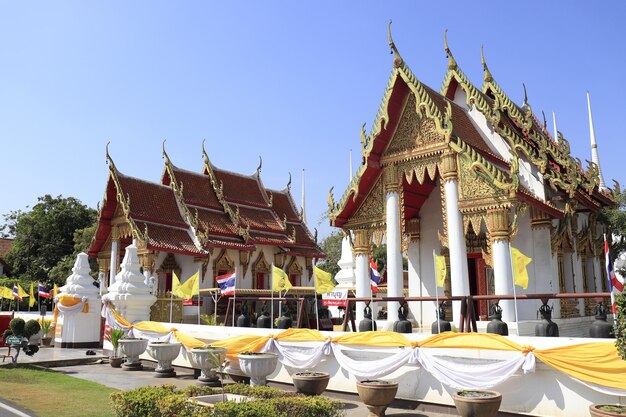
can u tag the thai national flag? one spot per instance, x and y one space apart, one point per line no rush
16 293
615 285
227 283
41 290
374 276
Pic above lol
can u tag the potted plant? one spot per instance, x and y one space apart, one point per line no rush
377 395
607 410
257 366
164 353
206 358
484 403
310 383
46 325
115 334
132 347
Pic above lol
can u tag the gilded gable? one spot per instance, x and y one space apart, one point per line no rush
372 209
413 131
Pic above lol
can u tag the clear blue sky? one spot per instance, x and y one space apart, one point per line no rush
291 81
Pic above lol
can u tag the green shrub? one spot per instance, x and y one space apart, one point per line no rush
17 326
315 406
31 328
196 390
258 392
620 326
245 409
140 402
178 406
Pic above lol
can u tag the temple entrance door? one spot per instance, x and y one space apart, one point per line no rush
477 269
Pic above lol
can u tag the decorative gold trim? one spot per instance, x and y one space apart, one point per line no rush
362 242
498 224
539 219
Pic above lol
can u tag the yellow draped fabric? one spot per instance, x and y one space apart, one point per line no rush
596 363
378 339
68 301
243 343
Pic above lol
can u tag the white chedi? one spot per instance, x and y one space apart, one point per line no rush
129 293
346 277
80 283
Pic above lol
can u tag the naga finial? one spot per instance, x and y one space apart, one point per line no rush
109 160
487 74
167 158
289 183
204 154
258 169
315 235
331 199
451 61
363 137
545 123
397 59
525 95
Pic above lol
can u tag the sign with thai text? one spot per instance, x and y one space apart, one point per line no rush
338 298
14 340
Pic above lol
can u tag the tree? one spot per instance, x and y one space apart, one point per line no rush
331 246
616 219
44 236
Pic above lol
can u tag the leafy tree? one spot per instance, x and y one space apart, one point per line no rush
616 219
44 236
331 246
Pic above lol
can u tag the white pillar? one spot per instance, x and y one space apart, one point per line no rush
413 253
115 237
394 253
498 220
459 277
361 271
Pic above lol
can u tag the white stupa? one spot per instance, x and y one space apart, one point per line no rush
77 329
129 293
346 278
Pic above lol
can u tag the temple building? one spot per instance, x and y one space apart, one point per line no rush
213 222
467 173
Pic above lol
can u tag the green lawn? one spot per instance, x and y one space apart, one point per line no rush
51 394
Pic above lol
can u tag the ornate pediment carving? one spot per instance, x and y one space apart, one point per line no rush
260 264
372 208
223 263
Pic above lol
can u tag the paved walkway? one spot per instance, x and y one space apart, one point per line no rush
76 363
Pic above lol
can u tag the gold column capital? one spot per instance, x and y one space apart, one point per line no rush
391 179
539 219
498 223
412 228
103 264
361 242
115 233
448 166
147 260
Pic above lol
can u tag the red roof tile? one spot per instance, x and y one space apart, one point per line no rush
197 189
240 188
259 219
169 239
217 222
283 204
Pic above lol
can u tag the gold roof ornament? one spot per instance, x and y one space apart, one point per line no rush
258 169
451 62
397 59
207 161
289 183
486 73
164 154
525 95
331 200
364 139
109 160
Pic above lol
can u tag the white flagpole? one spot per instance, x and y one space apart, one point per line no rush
317 312
199 276
272 295
171 301
215 300
437 293
235 298
514 291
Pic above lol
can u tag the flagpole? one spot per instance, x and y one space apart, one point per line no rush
171 302
317 311
235 299
514 291
437 293
272 295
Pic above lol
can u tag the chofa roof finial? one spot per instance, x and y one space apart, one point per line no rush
289 183
397 59
525 95
451 61
486 73
109 160
204 154
258 169
165 156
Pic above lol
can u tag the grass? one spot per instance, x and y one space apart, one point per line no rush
51 394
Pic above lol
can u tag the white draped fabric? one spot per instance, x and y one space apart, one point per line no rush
152 336
462 375
372 369
76 308
298 357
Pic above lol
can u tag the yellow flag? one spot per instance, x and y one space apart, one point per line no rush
21 292
190 287
323 281
520 274
31 301
176 286
441 269
55 290
280 280
6 293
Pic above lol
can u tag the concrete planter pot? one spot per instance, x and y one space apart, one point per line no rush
258 366
377 395
116 362
205 359
482 403
234 371
164 353
310 383
612 410
45 341
132 348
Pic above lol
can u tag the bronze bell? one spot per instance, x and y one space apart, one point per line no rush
264 321
403 325
600 328
546 328
244 318
367 324
285 322
496 325
441 322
